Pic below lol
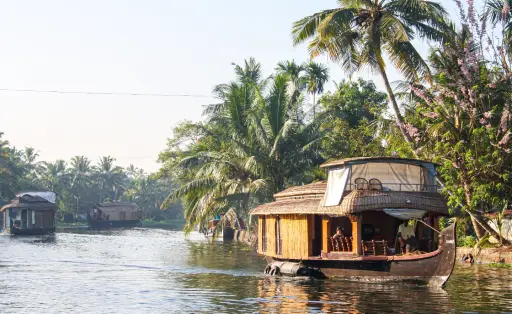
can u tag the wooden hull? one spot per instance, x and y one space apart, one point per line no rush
106 224
431 268
33 231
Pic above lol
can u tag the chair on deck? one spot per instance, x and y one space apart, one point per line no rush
375 185
361 184
374 247
340 245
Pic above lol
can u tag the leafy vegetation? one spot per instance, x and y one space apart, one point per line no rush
267 133
80 183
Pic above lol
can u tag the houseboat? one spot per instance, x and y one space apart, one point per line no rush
351 226
30 213
114 215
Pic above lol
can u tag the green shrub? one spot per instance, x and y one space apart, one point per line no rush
467 241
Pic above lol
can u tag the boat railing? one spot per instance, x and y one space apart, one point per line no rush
403 187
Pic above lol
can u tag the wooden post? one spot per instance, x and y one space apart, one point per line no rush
436 235
326 229
356 233
311 233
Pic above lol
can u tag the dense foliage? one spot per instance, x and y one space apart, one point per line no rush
79 183
264 136
269 133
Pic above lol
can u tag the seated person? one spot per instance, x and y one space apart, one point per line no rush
339 234
406 237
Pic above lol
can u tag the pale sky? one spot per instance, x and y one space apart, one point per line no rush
128 46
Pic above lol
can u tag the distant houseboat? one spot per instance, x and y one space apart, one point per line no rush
114 215
365 201
30 213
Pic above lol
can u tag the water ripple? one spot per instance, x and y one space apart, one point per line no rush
139 270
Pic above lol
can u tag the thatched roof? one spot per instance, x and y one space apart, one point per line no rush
32 202
346 161
312 190
297 201
117 207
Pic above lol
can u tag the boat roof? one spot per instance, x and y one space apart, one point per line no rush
359 160
30 201
312 189
355 202
308 199
116 206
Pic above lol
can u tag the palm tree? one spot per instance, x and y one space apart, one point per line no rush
109 177
498 11
361 32
315 78
253 146
52 176
291 68
80 175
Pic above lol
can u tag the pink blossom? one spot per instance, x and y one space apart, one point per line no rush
472 15
471 96
431 115
492 85
471 57
461 9
488 126
420 92
465 71
487 115
504 119
483 121
506 10
504 141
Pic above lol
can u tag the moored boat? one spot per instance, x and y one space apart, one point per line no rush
30 213
365 203
114 215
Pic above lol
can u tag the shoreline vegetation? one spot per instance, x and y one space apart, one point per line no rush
270 131
170 224
80 183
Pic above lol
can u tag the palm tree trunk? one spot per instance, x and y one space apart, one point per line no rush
398 116
314 106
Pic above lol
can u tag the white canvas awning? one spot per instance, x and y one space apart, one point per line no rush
336 183
393 176
405 213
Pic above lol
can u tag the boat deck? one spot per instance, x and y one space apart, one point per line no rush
349 256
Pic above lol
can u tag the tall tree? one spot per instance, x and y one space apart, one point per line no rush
109 177
250 147
360 32
315 78
498 11
80 175
354 123
463 122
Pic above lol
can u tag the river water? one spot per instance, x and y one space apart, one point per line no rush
161 271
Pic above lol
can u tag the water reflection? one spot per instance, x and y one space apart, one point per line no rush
165 271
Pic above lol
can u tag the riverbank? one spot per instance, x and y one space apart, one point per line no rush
487 256
175 224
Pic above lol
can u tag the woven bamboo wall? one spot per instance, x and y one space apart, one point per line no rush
294 234
260 233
